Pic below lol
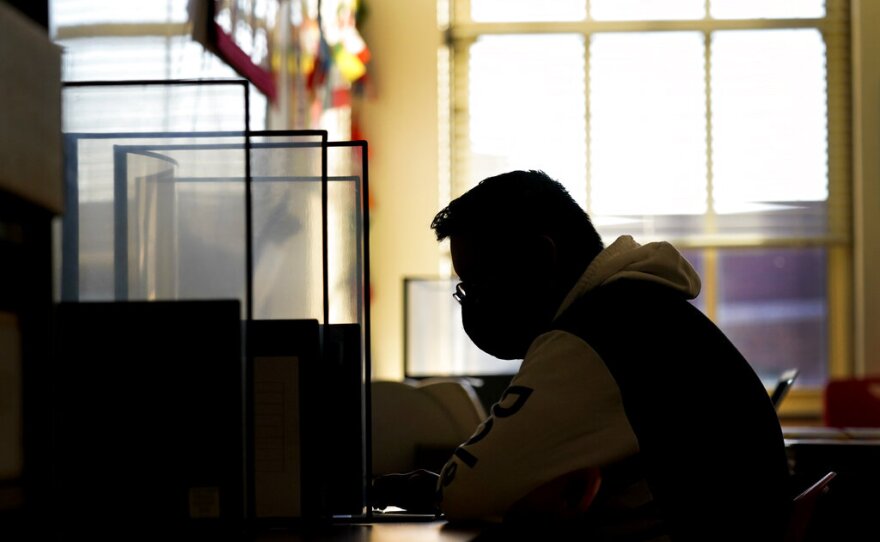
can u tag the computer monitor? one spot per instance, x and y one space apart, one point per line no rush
435 343
148 422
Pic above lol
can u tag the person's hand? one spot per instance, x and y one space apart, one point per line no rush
414 491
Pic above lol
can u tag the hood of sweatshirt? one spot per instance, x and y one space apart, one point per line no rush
657 262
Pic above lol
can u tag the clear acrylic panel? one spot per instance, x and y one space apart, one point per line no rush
769 130
182 215
497 11
436 343
149 222
162 214
527 107
127 108
346 233
112 176
772 305
183 224
119 58
167 221
287 227
647 133
646 10
766 9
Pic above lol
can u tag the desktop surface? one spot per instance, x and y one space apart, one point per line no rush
434 531
849 509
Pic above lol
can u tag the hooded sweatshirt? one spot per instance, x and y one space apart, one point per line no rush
619 383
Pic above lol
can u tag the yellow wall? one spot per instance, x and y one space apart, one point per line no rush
400 124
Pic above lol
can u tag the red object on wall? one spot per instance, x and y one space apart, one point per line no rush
242 63
852 402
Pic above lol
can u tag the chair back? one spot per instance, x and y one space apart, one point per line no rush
459 399
804 508
852 402
783 385
419 426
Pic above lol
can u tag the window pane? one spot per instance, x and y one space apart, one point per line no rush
696 257
527 107
493 11
139 57
646 10
772 305
77 12
150 57
647 132
769 130
766 9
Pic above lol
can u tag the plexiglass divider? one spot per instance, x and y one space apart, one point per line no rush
348 221
171 197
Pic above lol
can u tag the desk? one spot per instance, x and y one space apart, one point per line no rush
417 531
434 531
831 433
849 510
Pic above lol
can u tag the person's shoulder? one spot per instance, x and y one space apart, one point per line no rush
558 351
612 311
555 343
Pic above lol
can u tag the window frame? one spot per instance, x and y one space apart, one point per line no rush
460 32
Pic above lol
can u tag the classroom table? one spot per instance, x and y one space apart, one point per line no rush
848 511
434 531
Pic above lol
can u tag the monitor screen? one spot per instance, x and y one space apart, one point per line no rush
435 341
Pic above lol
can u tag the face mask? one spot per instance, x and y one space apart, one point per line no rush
491 330
510 305
502 326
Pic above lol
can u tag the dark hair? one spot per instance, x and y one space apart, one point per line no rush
521 203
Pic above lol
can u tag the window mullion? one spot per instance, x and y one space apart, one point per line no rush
842 345
710 219
710 270
588 177
461 11
587 174
469 29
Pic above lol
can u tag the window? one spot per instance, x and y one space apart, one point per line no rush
107 40
721 126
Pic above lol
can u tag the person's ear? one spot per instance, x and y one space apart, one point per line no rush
538 257
545 254
548 249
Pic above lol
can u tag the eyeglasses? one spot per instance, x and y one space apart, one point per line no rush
460 295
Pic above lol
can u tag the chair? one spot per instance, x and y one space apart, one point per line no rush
459 399
783 385
804 508
852 402
418 426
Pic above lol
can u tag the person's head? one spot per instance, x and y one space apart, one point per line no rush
519 243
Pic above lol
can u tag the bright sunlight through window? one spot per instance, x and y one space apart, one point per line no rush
720 126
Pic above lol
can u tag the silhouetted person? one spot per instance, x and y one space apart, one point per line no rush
632 416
